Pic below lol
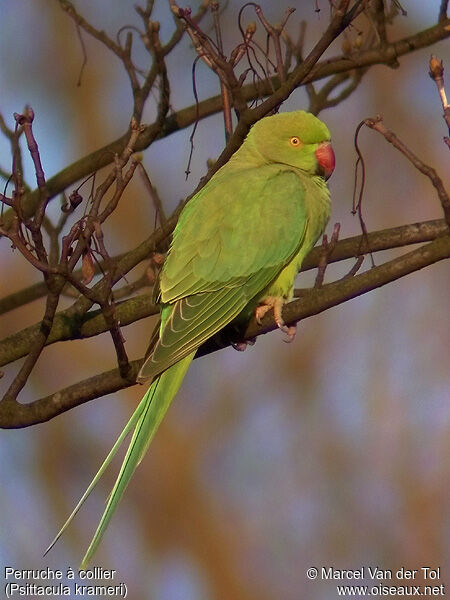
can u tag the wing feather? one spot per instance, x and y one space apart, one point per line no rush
231 242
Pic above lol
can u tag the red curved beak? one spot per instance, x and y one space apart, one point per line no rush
326 159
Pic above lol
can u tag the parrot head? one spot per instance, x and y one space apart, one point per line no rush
298 139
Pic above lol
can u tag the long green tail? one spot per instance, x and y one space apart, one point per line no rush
145 420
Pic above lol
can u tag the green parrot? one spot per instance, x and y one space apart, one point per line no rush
236 250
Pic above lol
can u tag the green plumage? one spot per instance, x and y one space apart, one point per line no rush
240 240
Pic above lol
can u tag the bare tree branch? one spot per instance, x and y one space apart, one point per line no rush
396 237
185 117
378 125
317 300
70 325
25 221
15 415
437 74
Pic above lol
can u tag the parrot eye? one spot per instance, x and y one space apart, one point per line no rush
295 142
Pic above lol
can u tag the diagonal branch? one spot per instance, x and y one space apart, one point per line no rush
378 125
71 325
15 415
38 342
184 118
317 300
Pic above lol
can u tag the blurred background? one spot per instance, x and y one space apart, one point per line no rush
332 451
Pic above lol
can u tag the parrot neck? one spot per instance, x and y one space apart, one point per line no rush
248 155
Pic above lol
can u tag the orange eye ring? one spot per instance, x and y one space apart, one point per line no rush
295 142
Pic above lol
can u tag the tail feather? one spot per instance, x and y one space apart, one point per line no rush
126 430
145 420
156 402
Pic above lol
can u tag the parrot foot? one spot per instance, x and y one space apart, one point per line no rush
262 309
289 331
277 303
241 346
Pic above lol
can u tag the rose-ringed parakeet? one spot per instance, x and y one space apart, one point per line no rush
236 250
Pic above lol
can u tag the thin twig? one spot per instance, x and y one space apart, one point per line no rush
37 345
355 268
185 117
321 100
437 74
14 415
76 323
153 193
357 205
377 125
327 251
